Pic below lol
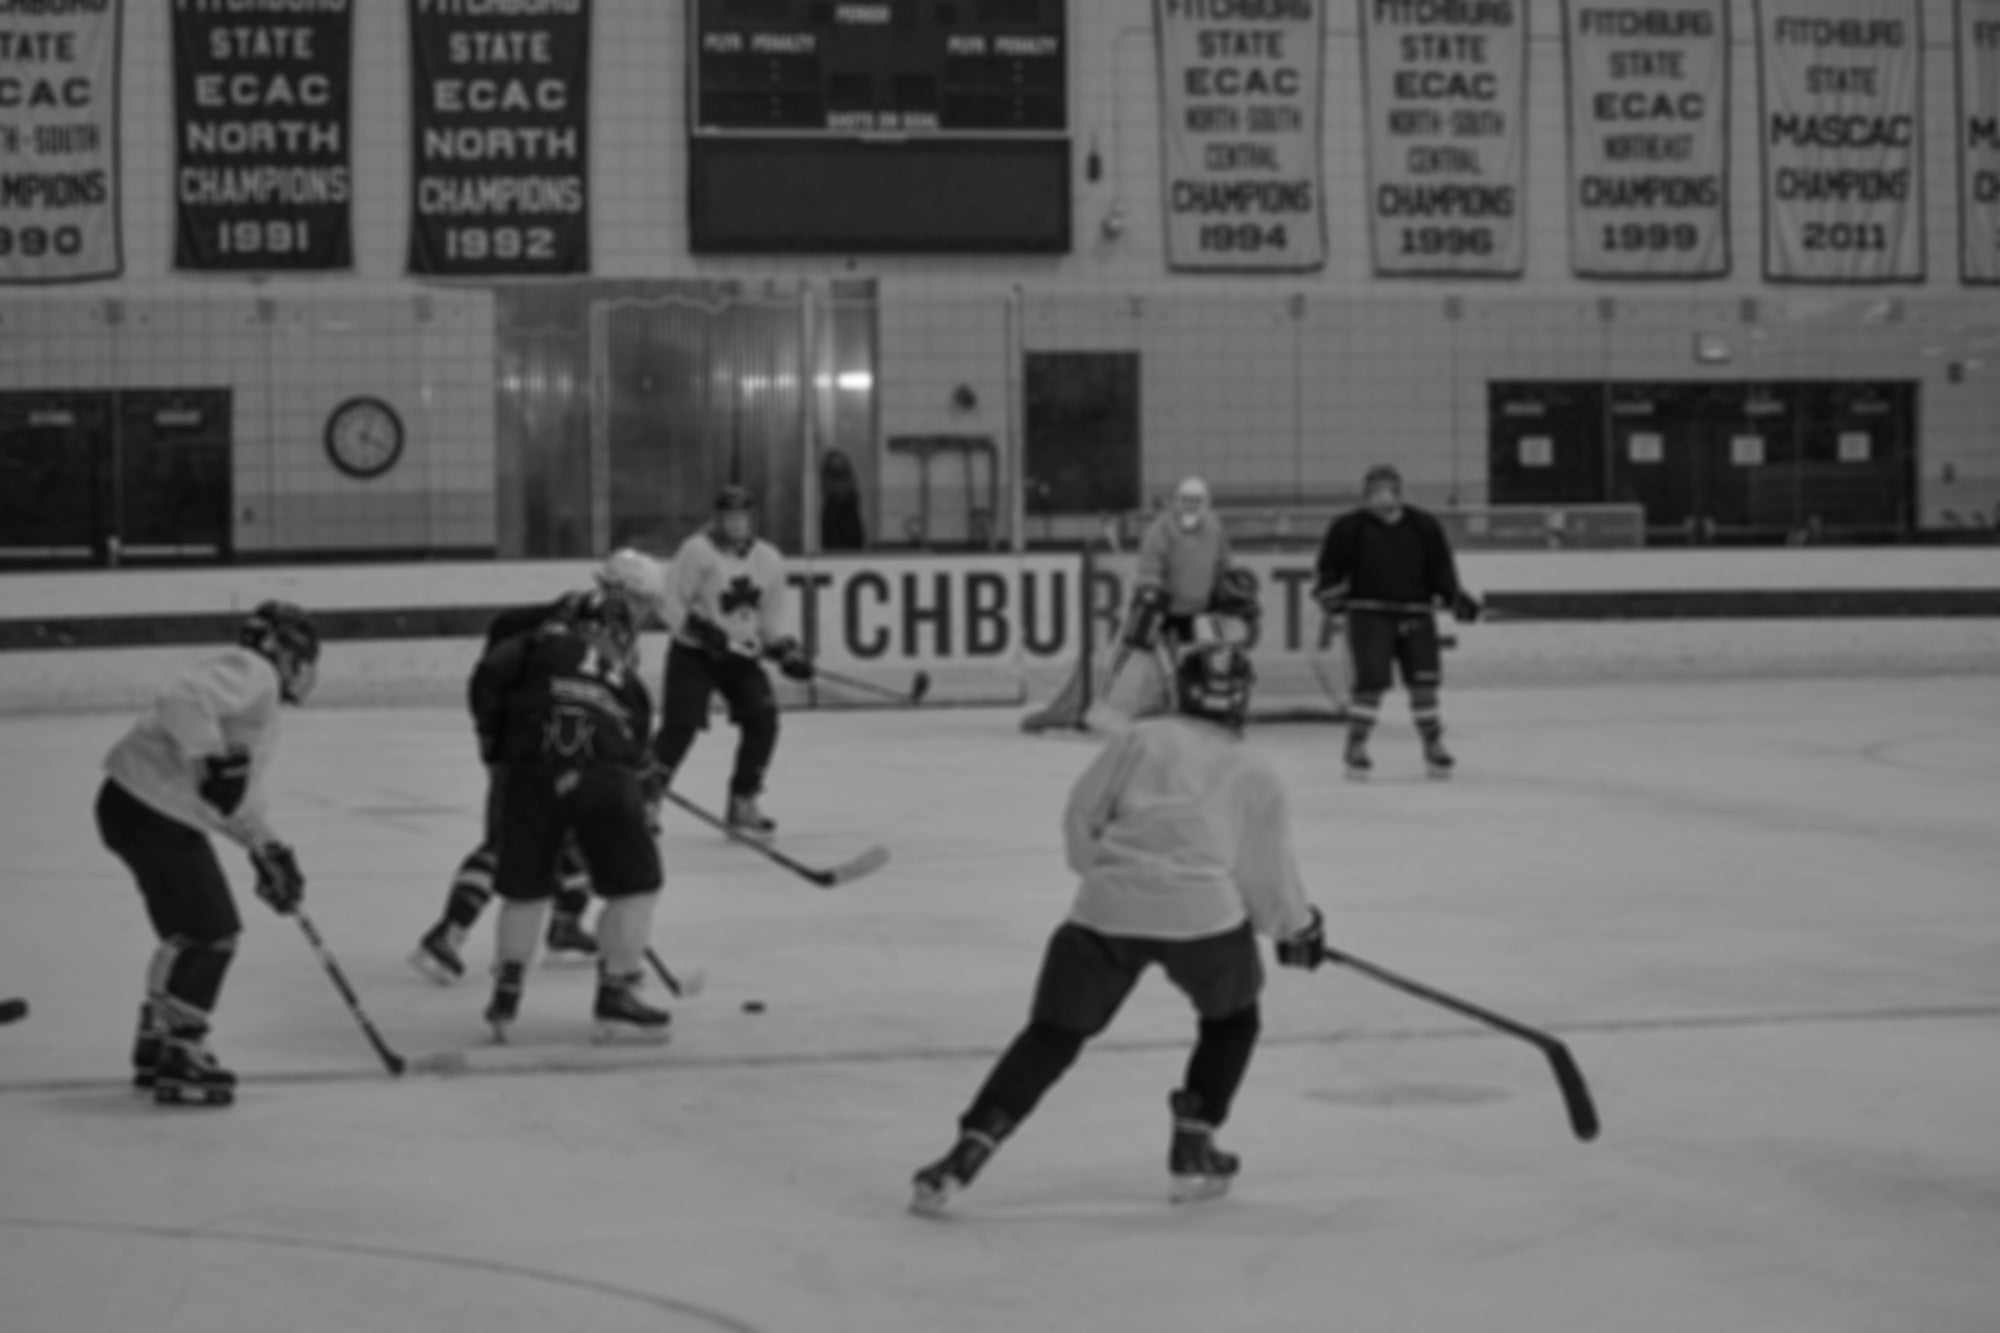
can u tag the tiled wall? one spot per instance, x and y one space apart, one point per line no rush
1287 383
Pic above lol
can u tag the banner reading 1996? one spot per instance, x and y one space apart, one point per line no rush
263 166
1446 87
1240 99
1843 148
1979 139
1649 126
59 142
499 143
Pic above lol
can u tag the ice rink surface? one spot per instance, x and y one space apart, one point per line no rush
1765 917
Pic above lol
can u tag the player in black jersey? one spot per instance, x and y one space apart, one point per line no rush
1386 566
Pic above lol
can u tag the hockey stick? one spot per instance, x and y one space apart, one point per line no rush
867 863
920 686
395 1063
1575 1093
682 987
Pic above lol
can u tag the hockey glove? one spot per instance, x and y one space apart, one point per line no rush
1465 608
226 779
1236 595
1332 600
1149 612
711 637
280 882
790 655
1306 949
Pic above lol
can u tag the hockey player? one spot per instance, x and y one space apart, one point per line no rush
638 579
1184 574
1180 836
192 765
728 612
565 708
1385 566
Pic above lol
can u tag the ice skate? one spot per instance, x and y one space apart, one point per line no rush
1438 761
188 1073
1359 765
505 1006
568 941
745 818
934 1185
1197 1169
147 1044
620 1011
437 954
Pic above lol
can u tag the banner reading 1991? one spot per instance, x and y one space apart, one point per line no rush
59 142
499 142
1979 139
1649 126
1446 84
1843 147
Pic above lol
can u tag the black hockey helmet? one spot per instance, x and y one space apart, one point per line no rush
283 634
606 619
1213 680
734 499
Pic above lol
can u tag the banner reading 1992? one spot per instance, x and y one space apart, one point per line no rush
1649 126
263 92
499 142
1446 84
59 142
1979 139
1240 114
1843 146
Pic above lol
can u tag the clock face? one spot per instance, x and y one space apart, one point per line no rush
364 437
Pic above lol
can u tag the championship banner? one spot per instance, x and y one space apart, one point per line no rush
1649 137
1446 86
1843 147
262 130
499 139
1240 102
59 143
1979 140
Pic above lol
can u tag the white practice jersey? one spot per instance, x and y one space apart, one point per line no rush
1179 830
742 591
226 701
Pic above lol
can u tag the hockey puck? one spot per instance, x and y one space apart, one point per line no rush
753 1006
13 1011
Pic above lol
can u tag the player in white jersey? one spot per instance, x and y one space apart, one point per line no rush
1181 840
726 606
192 765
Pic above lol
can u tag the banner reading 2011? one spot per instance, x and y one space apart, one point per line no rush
1979 140
1843 146
499 143
1648 131
263 176
59 142
1240 98
1447 135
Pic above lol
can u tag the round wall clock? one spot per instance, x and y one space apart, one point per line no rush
364 437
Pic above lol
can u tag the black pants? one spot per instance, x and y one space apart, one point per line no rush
187 900
602 807
693 678
1383 643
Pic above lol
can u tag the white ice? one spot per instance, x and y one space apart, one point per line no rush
1765 917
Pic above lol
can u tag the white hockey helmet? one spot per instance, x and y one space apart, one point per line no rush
1191 501
637 577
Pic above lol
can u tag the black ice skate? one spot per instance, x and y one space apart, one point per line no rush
744 817
619 1010
437 955
1359 765
505 1006
1438 762
147 1045
934 1185
189 1074
568 941
1196 1167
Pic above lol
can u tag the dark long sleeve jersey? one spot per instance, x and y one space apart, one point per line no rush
1408 561
550 697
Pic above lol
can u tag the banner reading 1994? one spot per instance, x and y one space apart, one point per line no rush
1240 116
1843 147
1649 126
59 142
1979 139
1446 84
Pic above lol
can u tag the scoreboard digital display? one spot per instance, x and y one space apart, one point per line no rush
881 66
879 126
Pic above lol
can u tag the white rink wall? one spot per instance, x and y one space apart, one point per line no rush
1005 630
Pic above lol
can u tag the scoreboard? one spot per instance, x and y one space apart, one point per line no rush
879 125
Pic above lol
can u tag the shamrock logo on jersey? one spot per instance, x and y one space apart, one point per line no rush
741 592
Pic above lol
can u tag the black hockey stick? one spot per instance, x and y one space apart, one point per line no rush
395 1063
920 686
1575 1092
867 863
683 987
